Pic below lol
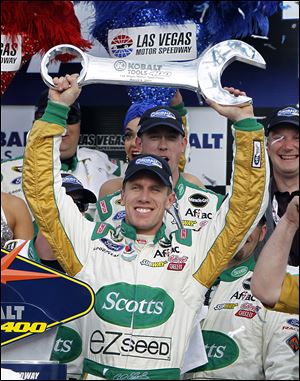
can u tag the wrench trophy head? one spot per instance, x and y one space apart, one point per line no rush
213 61
62 49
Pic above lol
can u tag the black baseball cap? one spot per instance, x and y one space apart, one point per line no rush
150 163
287 115
74 115
160 116
72 184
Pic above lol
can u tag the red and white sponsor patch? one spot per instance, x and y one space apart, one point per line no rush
176 266
101 228
103 206
245 314
183 233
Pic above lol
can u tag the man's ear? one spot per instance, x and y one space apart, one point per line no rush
262 232
122 197
171 200
183 144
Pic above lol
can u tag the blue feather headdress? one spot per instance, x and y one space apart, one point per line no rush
215 21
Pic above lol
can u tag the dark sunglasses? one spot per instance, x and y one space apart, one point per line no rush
83 207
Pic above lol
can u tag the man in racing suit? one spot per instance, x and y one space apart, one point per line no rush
243 339
161 132
149 287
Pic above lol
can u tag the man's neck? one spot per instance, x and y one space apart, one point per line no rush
284 184
175 177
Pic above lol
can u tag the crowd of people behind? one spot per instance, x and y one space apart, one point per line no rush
221 325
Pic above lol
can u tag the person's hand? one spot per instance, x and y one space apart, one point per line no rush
292 211
67 90
177 99
233 113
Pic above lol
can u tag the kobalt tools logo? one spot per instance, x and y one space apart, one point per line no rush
135 306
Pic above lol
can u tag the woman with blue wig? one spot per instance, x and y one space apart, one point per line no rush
130 127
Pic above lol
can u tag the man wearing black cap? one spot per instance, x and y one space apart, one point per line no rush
149 286
90 166
161 132
283 149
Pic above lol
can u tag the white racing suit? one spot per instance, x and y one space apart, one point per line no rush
146 297
244 340
196 207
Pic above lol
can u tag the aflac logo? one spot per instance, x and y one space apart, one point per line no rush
149 162
163 114
288 111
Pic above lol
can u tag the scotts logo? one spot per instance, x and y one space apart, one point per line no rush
162 114
149 162
221 351
198 200
68 345
239 271
111 245
135 306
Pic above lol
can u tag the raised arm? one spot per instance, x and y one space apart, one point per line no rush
246 200
270 270
66 230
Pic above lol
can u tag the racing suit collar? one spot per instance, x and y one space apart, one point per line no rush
232 274
130 232
69 164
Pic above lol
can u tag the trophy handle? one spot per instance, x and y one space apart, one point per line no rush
213 61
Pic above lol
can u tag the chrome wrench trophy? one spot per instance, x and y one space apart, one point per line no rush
202 75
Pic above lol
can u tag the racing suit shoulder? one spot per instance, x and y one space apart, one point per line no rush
101 230
11 176
107 205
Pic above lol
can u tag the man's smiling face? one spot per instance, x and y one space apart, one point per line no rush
146 198
283 149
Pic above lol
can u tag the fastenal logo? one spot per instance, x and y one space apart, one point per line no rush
120 65
133 306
